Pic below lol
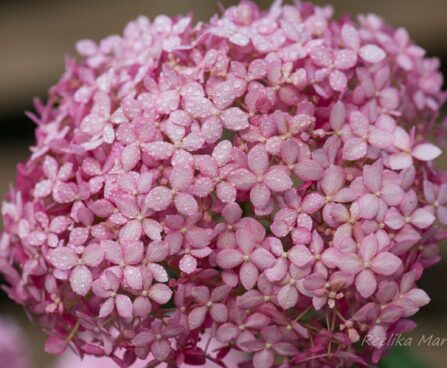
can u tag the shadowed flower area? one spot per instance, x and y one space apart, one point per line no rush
14 349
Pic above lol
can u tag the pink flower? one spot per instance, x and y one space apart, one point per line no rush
156 252
159 293
207 303
271 343
368 263
241 327
125 257
231 214
251 258
259 179
436 196
333 64
156 340
369 53
407 151
303 167
160 197
327 291
409 214
65 259
191 240
362 134
97 125
215 171
261 182
107 287
134 215
55 182
390 193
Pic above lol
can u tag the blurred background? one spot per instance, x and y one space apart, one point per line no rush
35 36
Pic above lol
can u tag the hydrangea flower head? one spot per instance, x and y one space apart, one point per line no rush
264 181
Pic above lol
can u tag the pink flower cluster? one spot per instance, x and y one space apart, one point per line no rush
264 179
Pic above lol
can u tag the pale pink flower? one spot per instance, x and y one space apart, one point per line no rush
259 179
107 287
159 293
181 178
125 257
251 258
404 144
421 218
367 263
436 196
65 259
333 63
375 190
56 182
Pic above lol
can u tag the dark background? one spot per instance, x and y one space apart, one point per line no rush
36 34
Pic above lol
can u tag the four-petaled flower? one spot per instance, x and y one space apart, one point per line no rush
367 263
251 258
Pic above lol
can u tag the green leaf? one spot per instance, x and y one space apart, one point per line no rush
401 358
